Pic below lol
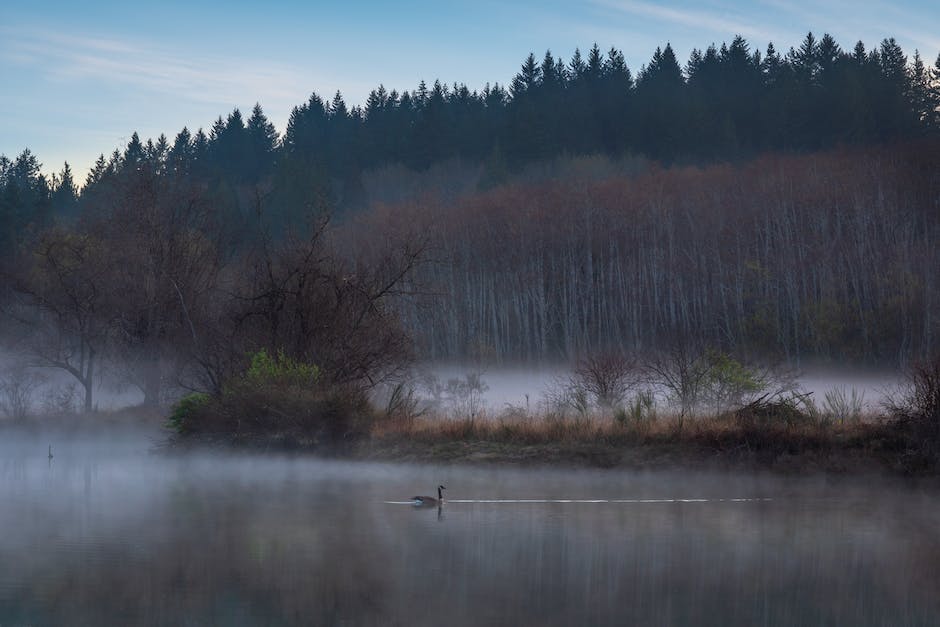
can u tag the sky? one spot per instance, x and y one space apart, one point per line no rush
78 78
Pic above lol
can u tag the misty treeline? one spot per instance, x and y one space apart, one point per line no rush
152 283
829 256
177 259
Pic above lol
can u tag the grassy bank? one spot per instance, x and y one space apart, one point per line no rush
282 404
876 444
713 442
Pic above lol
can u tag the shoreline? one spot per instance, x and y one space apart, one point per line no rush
873 450
880 448
658 455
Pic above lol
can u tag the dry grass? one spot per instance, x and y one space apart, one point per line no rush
603 440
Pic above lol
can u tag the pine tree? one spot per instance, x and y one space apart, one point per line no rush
134 154
262 142
614 104
230 154
659 94
577 67
200 149
550 77
305 135
933 97
28 194
528 136
97 172
893 63
595 64
616 70
65 194
180 156
527 78
805 60
694 65
828 53
338 109
894 114
919 92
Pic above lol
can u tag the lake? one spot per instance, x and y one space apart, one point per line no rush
110 533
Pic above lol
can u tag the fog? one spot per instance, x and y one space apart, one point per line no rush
102 523
523 387
528 387
113 531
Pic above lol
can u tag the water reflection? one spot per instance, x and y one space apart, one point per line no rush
113 535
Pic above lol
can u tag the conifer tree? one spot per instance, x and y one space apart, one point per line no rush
180 156
527 78
595 65
919 91
134 154
660 123
577 67
97 172
549 76
933 97
262 141
65 194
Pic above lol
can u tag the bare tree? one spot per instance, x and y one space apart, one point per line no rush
165 250
301 296
18 386
64 306
682 371
606 377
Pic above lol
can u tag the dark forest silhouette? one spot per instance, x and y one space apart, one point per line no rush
726 103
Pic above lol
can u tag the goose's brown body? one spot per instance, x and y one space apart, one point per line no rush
424 501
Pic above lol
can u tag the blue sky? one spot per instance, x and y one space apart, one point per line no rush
79 77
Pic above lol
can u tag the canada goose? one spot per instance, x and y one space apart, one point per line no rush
425 501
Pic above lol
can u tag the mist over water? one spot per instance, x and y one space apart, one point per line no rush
108 532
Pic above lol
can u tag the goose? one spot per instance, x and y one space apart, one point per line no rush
424 501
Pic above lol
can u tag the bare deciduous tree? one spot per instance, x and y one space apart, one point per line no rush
682 371
163 242
300 295
607 378
18 386
64 305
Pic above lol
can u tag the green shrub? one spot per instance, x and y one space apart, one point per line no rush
277 401
280 370
185 411
728 382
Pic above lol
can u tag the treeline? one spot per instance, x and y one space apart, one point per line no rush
176 259
728 102
830 256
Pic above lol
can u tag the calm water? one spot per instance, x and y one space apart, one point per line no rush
109 534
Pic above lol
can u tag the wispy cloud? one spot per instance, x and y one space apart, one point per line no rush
187 75
720 23
852 20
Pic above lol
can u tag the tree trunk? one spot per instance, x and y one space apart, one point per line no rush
88 382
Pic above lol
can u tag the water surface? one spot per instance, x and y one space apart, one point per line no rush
109 533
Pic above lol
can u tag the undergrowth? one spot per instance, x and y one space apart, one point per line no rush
276 401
